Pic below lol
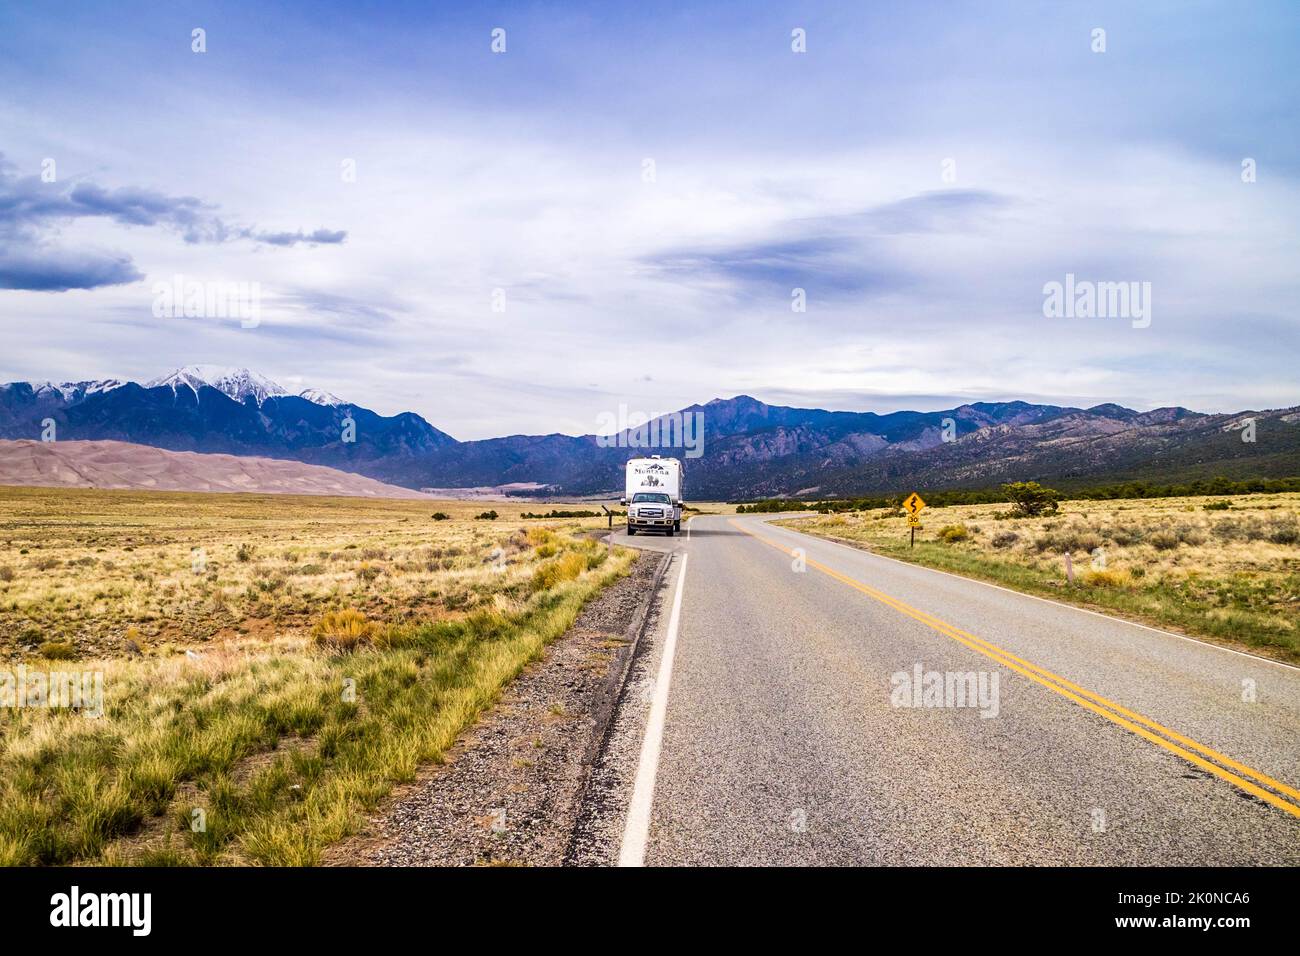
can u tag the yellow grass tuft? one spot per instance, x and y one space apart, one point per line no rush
1108 578
564 568
344 630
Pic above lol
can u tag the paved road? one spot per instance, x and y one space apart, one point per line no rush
785 733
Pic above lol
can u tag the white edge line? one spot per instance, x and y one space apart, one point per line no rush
1034 597
636 830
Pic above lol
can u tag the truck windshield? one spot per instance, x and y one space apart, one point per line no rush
644 496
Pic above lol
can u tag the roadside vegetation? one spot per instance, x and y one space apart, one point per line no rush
1223 569
272 666
1215 487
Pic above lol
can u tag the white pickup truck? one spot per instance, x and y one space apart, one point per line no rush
652 492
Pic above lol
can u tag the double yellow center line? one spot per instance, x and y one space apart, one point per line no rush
1248 779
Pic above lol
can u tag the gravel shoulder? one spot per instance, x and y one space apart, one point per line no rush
511 789
598 833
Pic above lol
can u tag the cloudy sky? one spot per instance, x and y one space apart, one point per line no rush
645 188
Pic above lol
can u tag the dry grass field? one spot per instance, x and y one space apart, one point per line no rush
1223 569
271 665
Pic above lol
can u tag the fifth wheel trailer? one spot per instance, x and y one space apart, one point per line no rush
652 492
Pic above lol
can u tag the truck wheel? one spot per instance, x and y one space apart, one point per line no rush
677 526
669 532
630 531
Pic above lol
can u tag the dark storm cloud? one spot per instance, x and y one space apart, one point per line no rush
58 270
30 207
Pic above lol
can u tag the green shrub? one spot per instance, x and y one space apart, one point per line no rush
440 516
1031 498
773 506
1005 540
486 516
953 533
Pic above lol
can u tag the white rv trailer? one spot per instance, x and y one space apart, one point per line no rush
652 492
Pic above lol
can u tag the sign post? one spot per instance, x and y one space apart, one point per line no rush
913 504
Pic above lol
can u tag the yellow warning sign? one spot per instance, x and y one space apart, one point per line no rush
913 504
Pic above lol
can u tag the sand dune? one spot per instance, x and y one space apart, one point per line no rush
122 465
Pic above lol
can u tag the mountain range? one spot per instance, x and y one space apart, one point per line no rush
751 449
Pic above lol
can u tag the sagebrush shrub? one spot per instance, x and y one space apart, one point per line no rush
1239 529
1125 535
1069 539
1284 530
1165 539
58 651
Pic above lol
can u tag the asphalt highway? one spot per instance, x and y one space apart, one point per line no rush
823 705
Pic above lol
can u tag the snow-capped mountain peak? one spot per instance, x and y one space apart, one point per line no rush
72 391
237 383
321 397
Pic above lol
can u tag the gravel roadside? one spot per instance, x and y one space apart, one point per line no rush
511 788
598 834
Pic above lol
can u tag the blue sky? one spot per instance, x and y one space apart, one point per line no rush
773 170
